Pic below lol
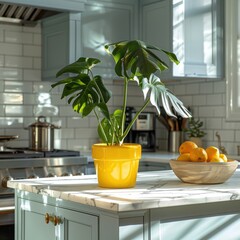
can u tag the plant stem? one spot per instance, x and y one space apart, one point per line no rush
102 129
125 91
135 118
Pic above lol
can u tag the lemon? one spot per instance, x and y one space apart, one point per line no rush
184 157
198 155
187 146
213 153
224 157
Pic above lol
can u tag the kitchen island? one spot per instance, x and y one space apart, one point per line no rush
159 207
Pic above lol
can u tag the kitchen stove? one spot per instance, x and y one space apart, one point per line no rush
22 163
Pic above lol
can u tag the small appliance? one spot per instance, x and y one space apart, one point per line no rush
143 131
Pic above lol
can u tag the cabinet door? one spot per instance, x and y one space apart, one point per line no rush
60 43
73 225
32 225
79 225
104 23
156 30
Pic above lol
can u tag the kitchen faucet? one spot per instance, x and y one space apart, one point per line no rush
221 148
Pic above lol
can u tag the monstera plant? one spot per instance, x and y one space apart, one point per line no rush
134 61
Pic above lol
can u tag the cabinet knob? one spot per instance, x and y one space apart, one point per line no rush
53 219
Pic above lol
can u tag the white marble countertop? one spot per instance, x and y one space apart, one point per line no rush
153 190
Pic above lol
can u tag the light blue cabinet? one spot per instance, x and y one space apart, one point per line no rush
71 225
61 43
212 221
66 37
156 27
75 221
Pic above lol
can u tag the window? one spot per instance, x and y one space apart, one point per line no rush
198 38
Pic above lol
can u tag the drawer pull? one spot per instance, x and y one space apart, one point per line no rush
53 219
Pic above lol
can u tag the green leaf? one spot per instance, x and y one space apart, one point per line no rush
135 58
110 130
86 93
82 65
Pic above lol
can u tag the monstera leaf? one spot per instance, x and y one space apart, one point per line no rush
82 65
135 58
160 94
83 92
110 131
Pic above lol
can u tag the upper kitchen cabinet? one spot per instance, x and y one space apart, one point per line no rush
106 22
61 43
155 27
192 29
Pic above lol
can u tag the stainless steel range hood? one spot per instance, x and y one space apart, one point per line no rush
20 14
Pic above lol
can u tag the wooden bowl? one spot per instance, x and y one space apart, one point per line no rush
203 172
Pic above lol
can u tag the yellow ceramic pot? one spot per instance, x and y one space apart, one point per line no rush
116 166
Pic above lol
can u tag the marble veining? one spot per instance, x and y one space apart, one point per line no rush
153 190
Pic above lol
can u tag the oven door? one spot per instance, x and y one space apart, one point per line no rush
7 209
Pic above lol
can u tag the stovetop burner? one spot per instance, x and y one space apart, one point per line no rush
14 153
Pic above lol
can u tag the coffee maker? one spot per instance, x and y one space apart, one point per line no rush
143 131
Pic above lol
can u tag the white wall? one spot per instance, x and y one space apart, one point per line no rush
23 96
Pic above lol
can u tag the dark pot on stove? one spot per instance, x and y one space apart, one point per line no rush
41 135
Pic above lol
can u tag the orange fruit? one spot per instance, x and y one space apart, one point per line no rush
198 155
212 153
217 160
187 146
184 157
224 157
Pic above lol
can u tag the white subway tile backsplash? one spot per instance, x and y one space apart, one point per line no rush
37 63
214 99
31 75
11 49
1 60
18 37
18 62
11 73
67 133
193 88
77 122
45 110
11 122
32 50
86 133
18 86
206 87
219 86
15 110
2 107
37 39
12 98
199 100
32 29
212 111
79 144
213 123
1 35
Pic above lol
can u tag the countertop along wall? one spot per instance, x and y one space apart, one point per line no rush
23 96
